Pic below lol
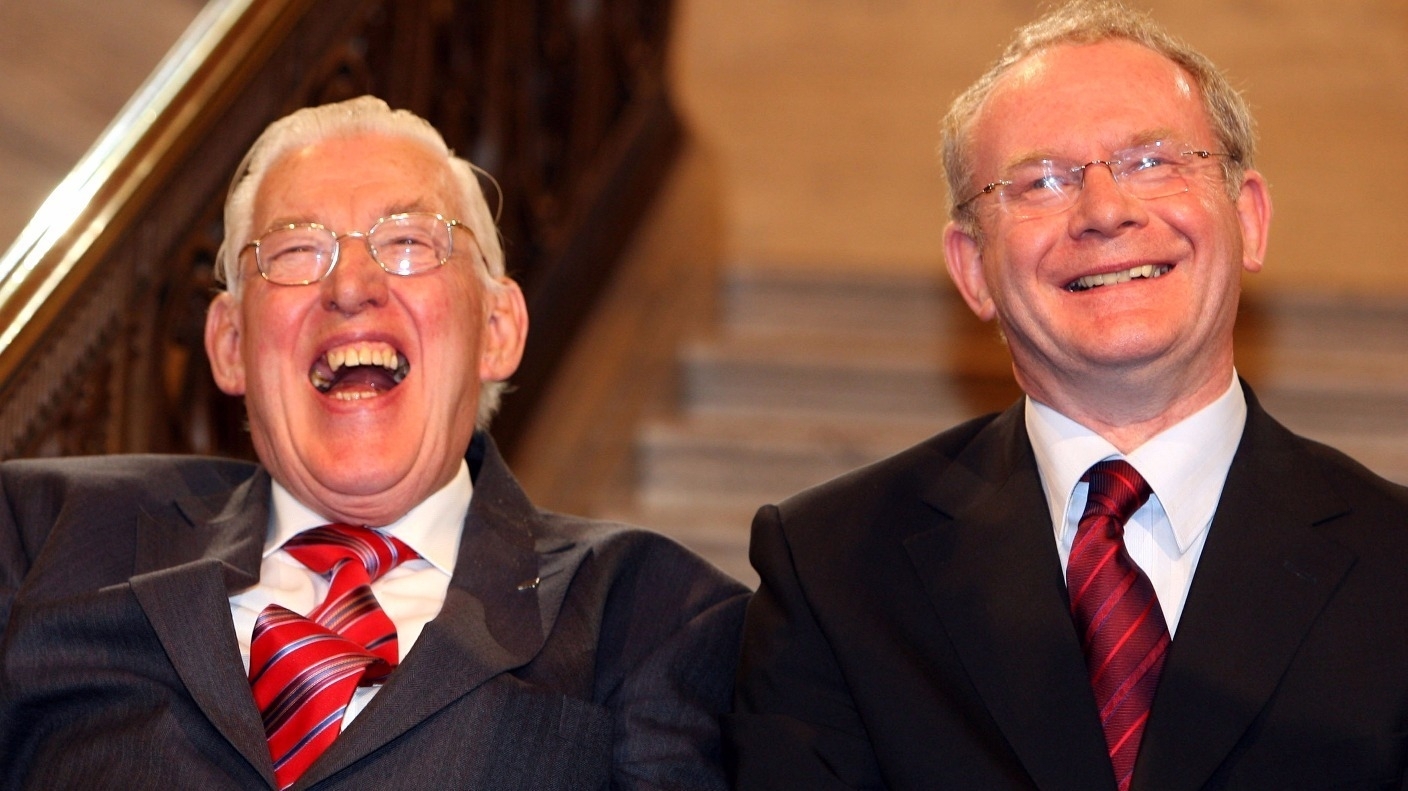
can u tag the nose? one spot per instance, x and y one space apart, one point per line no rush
357 282
1103 207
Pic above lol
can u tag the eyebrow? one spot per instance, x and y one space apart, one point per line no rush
1138 139
405 207
1153 136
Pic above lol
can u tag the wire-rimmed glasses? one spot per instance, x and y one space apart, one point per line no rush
299 254
1042 187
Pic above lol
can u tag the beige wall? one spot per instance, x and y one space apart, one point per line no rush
824 115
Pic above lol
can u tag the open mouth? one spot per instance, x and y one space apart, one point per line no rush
1111 278
358 370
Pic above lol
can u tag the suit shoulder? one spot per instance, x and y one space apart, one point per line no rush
1361 486
891 478
128 474
625 552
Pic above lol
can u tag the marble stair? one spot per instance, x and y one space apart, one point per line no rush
806 375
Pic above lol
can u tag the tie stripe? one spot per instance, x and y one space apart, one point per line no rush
347 612
303 671
1116 612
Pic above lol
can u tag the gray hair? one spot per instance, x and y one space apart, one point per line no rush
354 117
1089 22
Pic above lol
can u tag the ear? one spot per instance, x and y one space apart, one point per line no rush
505 332
1254 216
222 344
964 255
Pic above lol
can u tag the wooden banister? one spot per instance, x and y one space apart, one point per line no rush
103 295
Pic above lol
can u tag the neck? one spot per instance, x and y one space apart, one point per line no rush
1127 411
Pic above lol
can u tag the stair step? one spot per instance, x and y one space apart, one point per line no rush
914 376
718 532
925 375
1323 322
715 523
758 298
1381 373
759 457
1321 412
1386 453
808 377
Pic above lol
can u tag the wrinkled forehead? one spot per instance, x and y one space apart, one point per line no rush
1082 101
354 179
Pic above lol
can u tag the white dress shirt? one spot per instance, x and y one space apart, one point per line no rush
411 594
1186 466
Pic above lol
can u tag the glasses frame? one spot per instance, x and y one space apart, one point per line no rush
450 226
1110 164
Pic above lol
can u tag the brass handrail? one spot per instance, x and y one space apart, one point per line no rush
102 294
60 246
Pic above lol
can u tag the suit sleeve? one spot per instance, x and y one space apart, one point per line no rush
14 560
794 723
687 617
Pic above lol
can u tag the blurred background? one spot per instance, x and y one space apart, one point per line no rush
774 309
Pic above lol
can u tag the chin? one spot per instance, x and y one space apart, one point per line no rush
355 471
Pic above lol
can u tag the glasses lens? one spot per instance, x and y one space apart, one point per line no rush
1045 187
295 254
1152 171
408 244
1039 188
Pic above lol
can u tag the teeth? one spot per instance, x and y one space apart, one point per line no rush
365 354
1111 278
378 354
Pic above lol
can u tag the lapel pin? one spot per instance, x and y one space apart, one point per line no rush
530 584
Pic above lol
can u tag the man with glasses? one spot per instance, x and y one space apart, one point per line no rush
377 604
1134 577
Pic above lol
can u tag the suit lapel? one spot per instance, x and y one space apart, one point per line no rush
993 574
189 561
498 611
1264 576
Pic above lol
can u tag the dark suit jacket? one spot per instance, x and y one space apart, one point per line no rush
912 631
121 667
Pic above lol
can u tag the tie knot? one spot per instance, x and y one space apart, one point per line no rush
1117 490
323 548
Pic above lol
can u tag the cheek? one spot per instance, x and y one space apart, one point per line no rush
1014 260
449 321
271 333
1211 215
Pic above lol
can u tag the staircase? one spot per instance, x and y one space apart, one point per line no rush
805 376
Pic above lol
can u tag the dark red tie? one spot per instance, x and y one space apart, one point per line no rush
304 670
1117 614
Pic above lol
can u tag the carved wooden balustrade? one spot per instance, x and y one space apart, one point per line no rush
102 299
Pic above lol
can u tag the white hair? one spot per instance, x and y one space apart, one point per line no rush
365 115
1081 22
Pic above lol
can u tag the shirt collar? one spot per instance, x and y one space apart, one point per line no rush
432 528
1186 464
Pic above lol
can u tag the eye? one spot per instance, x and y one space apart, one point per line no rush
1051 182
1041 179
1046 188
404 235
292 244
1149 161
293 249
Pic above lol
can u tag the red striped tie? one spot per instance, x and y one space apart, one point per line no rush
1121 626
304 670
